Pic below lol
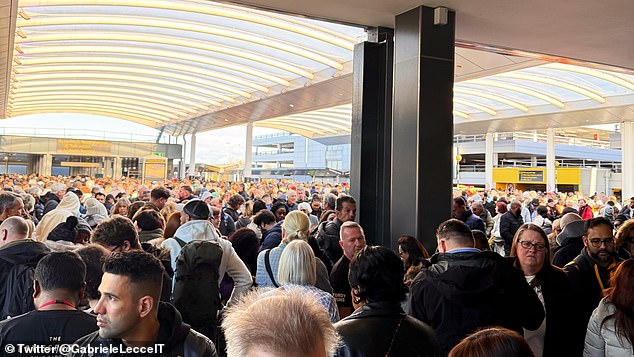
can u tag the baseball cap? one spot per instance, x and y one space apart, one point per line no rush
196 209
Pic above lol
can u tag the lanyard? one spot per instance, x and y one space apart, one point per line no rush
53 302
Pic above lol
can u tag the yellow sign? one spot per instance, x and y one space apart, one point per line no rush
80 164
84 147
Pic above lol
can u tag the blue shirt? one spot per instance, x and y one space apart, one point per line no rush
463 250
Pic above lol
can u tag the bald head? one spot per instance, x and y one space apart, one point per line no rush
13 229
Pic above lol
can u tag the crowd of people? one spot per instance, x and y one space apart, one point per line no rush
105 267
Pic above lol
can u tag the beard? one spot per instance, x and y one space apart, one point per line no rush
602 256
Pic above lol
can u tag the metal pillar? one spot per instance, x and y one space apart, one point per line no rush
47 165
488 162
181 168
627 160
192 156
248 151
551 183
370 161
422 129
117 170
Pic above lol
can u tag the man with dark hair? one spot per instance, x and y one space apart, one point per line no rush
233 206
226 225
118 234
101 197
185 194
328 236
589 273
10 205
510 222
460 211
158 197
58 288
149 224
195 225
18 258
465 289
129 313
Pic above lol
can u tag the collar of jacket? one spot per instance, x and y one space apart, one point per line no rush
377 308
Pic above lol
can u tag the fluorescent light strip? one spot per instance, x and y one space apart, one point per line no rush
89 19
294 130
118 115
557 82
35 78
461 114
316 118
128 84
307 125
495 97
131 70
164 63
106 108
474 105
98 96
517 88
43 90
606 76
153 52
93 35
149 112
243 14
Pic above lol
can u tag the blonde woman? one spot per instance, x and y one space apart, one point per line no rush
298 270
295 226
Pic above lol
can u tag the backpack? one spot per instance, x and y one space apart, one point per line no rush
18 287
196 290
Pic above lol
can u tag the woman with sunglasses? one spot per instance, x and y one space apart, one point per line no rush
559 334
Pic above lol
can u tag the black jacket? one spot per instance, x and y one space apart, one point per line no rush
509 224
462 292
564 332
13 255
370 329
178 339
568 251
586 282
328 239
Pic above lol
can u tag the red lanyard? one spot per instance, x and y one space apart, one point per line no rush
53 302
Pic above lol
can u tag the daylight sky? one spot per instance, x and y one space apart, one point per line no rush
212 147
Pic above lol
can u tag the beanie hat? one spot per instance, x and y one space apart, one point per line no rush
65 231
95 207
196 209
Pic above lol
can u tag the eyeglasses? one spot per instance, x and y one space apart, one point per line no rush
597 242
528 245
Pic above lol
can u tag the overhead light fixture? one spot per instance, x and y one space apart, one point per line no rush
20 33
557 82
517 88
18 49
238 13
23 14
275 43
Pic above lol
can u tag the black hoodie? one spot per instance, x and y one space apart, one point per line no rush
462 292
14 255
175 338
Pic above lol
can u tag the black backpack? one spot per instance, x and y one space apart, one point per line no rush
18 287
196 291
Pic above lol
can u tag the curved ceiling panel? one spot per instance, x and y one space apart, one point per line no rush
161 62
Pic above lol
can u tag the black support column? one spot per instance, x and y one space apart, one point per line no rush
370 162
422 127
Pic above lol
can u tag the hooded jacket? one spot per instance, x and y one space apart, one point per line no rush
68 206
21 252
569 242
462 292
177 338
601 337
230 263
272 238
